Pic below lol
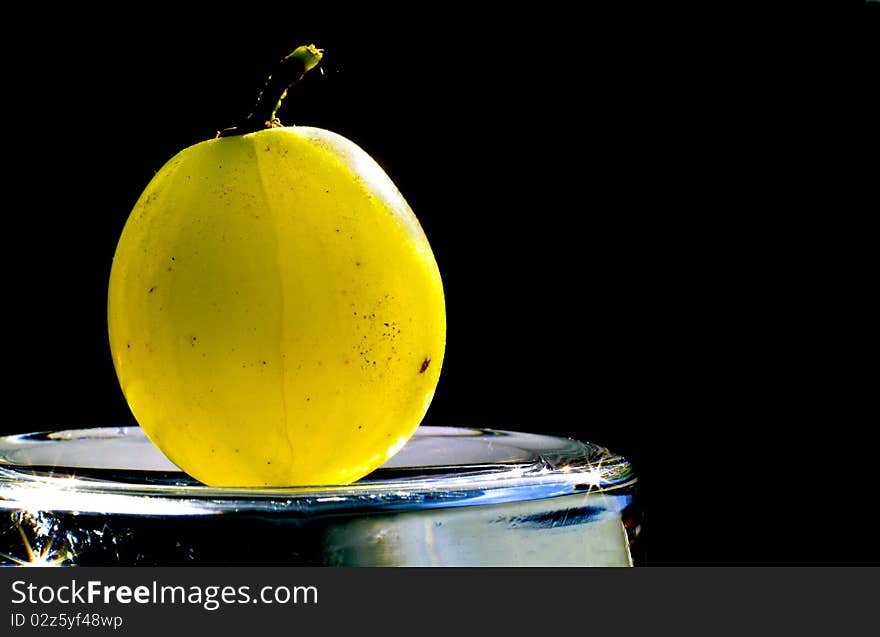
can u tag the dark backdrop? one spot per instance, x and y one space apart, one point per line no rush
635 215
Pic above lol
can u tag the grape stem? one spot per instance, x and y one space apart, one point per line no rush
289 70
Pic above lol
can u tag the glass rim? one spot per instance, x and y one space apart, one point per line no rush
501 466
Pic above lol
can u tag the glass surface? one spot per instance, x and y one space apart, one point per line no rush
450 497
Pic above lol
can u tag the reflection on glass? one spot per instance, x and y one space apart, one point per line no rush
451 497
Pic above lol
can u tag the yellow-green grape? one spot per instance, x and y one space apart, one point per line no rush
276 315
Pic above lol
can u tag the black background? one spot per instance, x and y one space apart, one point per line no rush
648 225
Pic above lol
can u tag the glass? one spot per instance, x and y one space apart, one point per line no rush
450 497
